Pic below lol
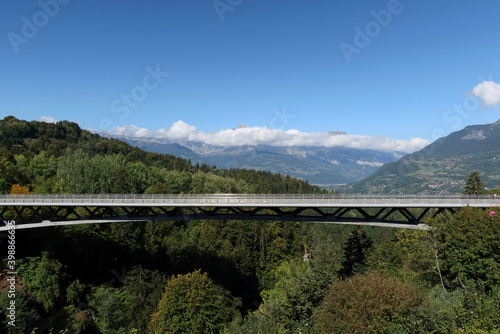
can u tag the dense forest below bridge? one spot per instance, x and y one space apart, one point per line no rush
239 277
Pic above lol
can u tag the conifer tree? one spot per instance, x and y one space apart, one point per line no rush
355 251
474 184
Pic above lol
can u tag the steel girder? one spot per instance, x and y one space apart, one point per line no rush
37 214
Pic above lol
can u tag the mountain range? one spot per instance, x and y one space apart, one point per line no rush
327 167
441 167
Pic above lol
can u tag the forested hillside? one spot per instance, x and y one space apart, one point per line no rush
63 158
441 167
228 276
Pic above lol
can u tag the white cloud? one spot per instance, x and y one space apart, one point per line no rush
244 135
488 92
48 119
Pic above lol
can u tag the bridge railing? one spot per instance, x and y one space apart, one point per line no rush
235 198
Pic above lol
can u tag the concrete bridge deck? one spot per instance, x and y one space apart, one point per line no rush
249 200
31 211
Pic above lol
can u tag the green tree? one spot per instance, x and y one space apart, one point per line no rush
298 290
478 311
142 292
9 175
137 174
494 191
75 293
386 256
110 310
274 242
42 169
372 303
192 303
470 247
423 258
121 181
355 250
71 172
474 184
44 277
26 314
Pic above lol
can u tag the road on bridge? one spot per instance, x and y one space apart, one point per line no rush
396 210
249 200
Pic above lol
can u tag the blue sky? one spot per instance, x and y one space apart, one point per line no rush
396 69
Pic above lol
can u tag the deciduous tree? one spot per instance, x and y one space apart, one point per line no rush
470 247
192 303
371 303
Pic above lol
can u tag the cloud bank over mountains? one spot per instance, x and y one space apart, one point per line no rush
487 91
182 132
